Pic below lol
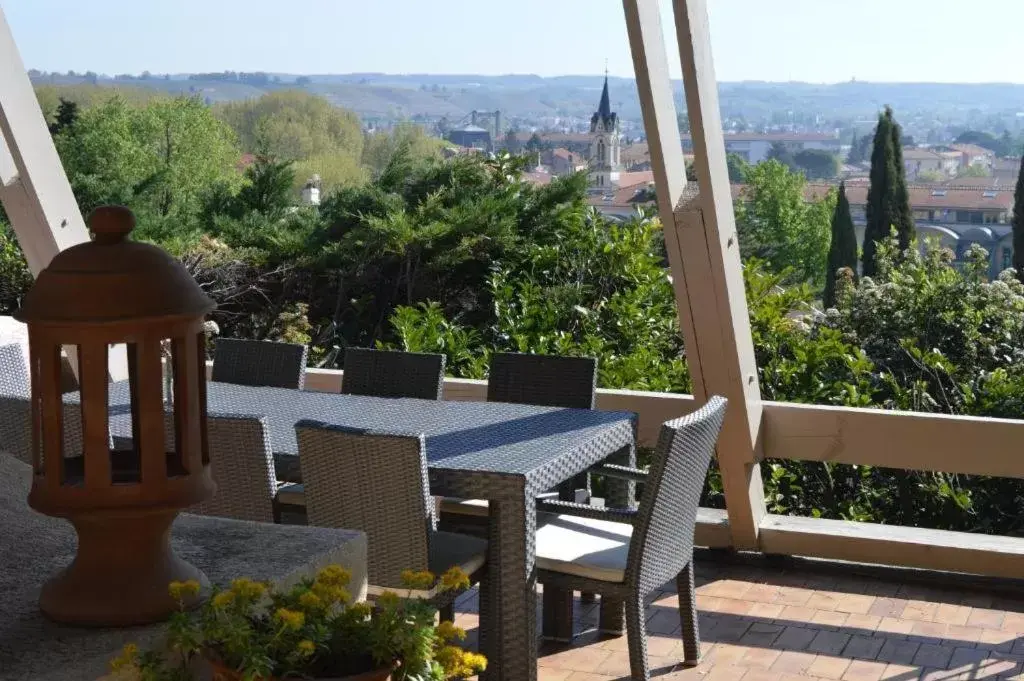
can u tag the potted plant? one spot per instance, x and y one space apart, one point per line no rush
254 632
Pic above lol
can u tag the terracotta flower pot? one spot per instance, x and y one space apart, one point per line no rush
222 673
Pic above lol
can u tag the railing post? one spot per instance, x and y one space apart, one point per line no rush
703 249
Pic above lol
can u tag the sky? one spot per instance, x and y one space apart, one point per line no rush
820 41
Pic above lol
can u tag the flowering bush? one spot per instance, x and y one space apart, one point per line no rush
311 630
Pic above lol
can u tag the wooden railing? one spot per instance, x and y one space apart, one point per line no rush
892 439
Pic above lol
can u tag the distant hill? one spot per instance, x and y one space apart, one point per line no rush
379 95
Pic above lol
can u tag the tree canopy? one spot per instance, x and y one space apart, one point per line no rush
842 252
888 203
779 226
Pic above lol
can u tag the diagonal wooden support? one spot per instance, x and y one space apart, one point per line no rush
34 189
703 249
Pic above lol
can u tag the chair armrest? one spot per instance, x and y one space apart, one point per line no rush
619 515
611 470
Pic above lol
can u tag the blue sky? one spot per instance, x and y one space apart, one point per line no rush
810 40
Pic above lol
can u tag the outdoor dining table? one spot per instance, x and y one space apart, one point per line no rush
505 453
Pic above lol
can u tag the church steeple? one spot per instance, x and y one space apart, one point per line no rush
604 114
604 143
605 108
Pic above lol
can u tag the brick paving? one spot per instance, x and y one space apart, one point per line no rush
802 623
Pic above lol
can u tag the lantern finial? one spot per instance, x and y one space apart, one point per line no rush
111 224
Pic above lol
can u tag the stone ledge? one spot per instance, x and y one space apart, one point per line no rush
33 547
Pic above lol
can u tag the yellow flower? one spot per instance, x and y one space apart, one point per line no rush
334 575
454 579
310 601
223 599
458 663
128 659
182 590
247 589
447 631
306 647
474 662
418 580
361 610
331 595
389 599
290 619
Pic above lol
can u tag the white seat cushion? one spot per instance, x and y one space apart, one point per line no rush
595 549
291 493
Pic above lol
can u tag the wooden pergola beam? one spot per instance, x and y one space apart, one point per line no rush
34 189
702 245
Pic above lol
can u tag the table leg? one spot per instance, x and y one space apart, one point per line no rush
512 642
621 493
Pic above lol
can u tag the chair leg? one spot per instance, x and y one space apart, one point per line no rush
688 616
612 616
636 632
557 614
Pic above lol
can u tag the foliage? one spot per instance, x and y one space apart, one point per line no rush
309 630
776 224
1000 146
931 176
15 277
382 145
781 153
160 158
842 252
592 288
888 203
817 164
737 168
292 125
65 116
975 170
1018 224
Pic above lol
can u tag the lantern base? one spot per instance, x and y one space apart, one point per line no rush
121 573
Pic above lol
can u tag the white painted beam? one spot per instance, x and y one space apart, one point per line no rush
34 189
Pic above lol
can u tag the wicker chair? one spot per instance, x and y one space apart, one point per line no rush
384 373
242 465
16 409
543 380
259 363
627 554
377 483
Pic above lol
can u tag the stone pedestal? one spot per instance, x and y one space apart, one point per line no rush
34 546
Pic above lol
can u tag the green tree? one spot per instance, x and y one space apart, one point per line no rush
161 158
931 177
817 164
381 146
65 117
1018 224
269 188
737 167
974 171
842 252
888 202
855 154
292 125
534 144
781 153
778 225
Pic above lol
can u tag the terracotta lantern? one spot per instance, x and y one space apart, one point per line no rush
121 502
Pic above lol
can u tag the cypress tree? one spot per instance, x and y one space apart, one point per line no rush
888 203
1018 224
854 155
843 251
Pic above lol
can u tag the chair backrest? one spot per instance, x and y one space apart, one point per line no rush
387 373
373 482
662 541
242 465
543 380
259 363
